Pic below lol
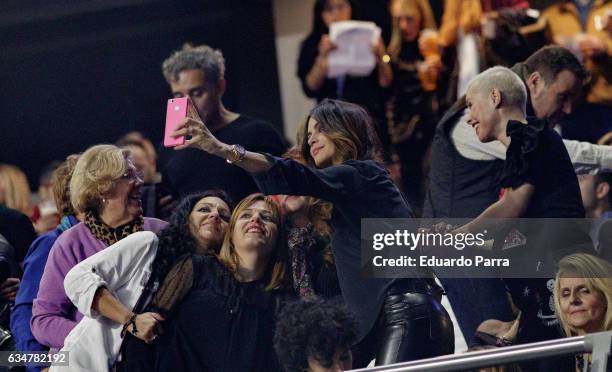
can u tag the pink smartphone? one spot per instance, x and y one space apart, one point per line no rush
175 112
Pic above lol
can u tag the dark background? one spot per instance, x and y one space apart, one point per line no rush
78 73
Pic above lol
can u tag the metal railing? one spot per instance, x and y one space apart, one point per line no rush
598 344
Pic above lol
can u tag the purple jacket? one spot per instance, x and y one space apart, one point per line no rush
53 315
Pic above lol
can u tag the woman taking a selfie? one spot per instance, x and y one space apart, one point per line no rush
342 151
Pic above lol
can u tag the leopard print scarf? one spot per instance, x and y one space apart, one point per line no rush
108 234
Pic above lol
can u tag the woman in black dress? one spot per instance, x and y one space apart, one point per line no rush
400 319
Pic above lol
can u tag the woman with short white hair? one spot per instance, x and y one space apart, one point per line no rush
540 192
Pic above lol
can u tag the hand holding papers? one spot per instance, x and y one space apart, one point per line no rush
353 52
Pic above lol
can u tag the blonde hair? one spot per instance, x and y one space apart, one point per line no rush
462 15
61 185
598 276
512 88
14 189
94 175
427 21
277 263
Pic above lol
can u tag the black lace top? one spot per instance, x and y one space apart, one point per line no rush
310 273
222 324
213 322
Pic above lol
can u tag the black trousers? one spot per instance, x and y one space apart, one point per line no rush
412 325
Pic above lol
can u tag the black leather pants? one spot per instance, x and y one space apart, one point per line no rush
415 326
412 325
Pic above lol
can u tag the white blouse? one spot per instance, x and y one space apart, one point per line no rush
124 269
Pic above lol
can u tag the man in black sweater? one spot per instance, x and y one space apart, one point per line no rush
198 72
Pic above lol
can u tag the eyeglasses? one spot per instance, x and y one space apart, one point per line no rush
133 174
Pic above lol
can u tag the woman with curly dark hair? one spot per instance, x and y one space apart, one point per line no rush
315 335
120 281
180 237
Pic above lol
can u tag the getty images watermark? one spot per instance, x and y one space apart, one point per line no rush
518 248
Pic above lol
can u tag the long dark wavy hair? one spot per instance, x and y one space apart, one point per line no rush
349 127
176 239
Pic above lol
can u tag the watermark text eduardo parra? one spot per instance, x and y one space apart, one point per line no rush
519 248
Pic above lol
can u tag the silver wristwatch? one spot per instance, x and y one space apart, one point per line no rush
237 154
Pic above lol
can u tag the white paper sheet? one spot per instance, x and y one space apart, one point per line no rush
353 53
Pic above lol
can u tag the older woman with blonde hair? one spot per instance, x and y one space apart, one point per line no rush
583 297
579 275
104 188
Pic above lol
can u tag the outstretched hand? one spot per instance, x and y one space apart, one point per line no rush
197 135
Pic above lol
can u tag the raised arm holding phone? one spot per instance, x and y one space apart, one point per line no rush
198 74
